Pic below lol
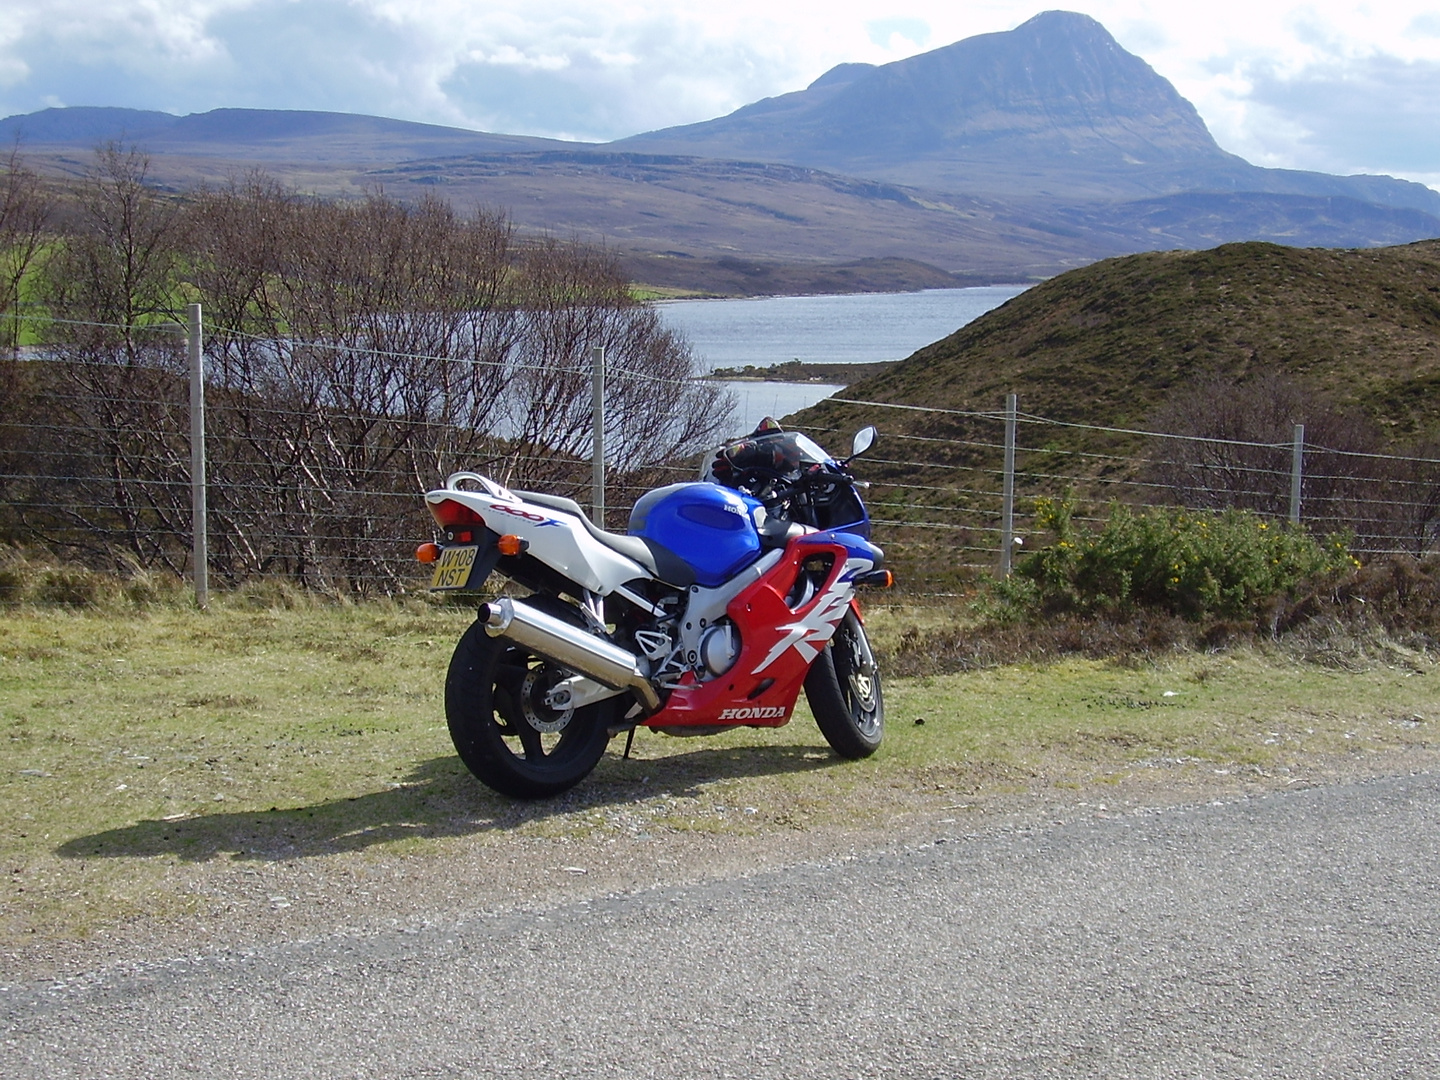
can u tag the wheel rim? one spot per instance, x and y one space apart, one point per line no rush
861 681
530 729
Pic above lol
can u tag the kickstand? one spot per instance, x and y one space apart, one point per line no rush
629 742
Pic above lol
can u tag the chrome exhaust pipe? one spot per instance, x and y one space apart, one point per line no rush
569 646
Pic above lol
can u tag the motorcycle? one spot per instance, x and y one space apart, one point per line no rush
726 597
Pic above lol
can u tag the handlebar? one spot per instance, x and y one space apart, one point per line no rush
781 490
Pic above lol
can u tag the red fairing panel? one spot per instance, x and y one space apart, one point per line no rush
778 645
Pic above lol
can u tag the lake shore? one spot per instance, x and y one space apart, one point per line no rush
798 371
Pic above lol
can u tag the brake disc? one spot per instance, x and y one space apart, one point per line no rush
541 716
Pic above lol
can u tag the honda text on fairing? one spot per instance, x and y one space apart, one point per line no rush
725 598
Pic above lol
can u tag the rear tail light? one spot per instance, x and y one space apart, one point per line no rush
450 513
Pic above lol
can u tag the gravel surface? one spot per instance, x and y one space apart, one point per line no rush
1286 934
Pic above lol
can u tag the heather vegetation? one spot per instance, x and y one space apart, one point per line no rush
1220 354
1118 341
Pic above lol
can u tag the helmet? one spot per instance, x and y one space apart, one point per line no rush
767 453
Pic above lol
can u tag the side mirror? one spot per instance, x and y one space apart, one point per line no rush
864 439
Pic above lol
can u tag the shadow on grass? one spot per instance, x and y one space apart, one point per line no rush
438 799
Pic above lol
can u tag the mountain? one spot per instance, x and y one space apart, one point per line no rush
1007 157
261 134
1053 108
1058 86
82 125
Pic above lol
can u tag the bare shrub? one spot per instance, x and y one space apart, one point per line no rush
356 353
357 350
1240 439
25 212
366 350
102 469
574 300
1405 504
1237 453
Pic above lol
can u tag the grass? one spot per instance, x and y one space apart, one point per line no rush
647 293
142 753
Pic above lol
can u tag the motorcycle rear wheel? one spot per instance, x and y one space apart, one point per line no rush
843 689
503 730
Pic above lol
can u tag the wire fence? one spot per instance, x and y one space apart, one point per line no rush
944 500
321 485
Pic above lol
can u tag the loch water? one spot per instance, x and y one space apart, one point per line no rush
851 329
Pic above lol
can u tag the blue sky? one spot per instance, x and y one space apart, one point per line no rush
1339 87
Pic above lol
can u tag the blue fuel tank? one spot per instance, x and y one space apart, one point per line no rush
708 526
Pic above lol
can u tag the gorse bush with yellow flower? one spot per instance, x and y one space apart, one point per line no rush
1190 563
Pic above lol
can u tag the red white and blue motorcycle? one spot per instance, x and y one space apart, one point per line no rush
727 596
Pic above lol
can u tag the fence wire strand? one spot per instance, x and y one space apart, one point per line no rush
382 473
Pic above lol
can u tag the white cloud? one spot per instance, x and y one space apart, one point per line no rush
1342 87
1374 114
601 69
884 32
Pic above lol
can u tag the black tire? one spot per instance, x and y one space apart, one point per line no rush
843 688
487 689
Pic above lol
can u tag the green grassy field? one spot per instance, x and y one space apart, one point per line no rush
137 748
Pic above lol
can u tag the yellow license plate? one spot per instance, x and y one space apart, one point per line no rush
452 569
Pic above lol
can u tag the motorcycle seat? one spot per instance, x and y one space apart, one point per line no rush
656 558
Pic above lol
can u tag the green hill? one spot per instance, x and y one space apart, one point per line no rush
1111 343
1237 343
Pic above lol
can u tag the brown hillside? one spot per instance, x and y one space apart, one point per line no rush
1167 342
1111 342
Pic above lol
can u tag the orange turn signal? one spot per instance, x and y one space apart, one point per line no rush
427 553
510 544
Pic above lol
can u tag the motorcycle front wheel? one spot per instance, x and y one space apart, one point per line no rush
843 689
504 730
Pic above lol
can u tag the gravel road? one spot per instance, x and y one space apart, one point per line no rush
1282 935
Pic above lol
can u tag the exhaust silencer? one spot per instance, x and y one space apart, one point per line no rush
569 646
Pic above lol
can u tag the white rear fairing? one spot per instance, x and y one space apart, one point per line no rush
555 537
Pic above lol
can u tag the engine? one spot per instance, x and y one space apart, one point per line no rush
675 644
719 646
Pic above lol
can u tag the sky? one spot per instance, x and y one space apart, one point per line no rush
1334 86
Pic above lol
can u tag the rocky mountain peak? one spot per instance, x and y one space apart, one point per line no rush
1056 89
